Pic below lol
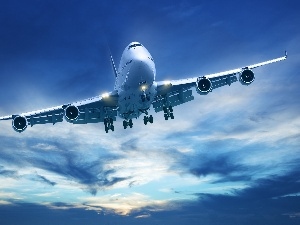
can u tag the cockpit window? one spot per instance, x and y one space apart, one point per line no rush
133 46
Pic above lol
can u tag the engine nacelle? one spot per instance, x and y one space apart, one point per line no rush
246 77
204 85
71 113
19 123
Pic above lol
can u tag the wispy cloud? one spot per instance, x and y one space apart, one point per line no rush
126 204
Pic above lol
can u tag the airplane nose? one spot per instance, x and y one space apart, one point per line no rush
141 71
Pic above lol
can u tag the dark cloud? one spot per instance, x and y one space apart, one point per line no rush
91 174
225 165
8 173
63 160
266 200
43 180
220 164
22 214
274 186
130 145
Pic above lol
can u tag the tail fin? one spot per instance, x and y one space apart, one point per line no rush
113 65
111 59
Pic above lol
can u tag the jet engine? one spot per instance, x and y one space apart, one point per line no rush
204 85
19 123
246 77
71 113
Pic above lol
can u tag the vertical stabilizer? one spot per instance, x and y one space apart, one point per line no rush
113 65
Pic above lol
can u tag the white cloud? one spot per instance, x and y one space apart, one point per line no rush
143 216
125 204
3 202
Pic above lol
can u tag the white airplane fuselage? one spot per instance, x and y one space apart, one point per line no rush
135 81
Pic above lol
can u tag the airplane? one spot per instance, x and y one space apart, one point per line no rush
135 91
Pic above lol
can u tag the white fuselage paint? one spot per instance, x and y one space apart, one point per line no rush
135 81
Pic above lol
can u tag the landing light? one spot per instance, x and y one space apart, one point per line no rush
144 87
105 95
167 82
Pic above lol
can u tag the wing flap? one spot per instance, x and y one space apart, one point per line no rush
177 98
43 118
96 115
222 81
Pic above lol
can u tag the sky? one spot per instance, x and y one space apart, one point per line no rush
230 157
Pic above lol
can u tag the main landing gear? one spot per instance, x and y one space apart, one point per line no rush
127 123
148 119
108 124
168 112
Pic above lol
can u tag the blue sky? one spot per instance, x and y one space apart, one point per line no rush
231 157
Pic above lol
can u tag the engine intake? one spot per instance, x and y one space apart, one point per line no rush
19 123
247 77
71 113
204 85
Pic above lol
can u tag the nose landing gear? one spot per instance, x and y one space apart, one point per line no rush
127 123
145 97
148 119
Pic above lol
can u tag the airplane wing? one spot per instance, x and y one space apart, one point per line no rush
176 92
92 110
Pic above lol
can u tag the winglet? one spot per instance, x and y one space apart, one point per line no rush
285 54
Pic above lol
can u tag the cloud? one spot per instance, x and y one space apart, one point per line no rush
8 173
223 165
142 216
43 180
44 146
90 174
263 192
274 186
3 202
123 204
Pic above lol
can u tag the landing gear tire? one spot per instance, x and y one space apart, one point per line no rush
151 119
127 123
145 120
172 116
108 124
168 112
148 119
124 124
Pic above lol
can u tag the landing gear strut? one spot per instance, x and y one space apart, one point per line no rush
145 97
148 119
168 112
127 123
108 124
